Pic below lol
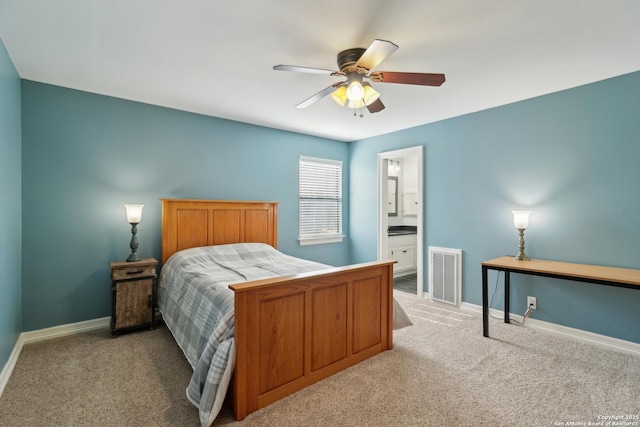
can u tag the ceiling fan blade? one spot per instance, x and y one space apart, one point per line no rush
424 79
318 96
377 52
307 70
375 106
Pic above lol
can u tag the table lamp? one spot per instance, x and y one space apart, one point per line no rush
134 215
521 222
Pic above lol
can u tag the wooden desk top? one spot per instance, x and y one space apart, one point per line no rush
568 269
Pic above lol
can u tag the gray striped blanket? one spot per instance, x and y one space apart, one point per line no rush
197 307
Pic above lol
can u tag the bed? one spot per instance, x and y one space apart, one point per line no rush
267 330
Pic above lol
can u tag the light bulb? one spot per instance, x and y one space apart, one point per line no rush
355 92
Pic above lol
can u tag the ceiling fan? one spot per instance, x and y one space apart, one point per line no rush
357 64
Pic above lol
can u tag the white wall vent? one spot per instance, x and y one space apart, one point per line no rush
445 274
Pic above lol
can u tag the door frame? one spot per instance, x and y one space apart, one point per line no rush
383 219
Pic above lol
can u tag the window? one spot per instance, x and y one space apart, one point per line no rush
320 195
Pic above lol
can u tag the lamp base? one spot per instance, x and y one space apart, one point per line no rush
133 258
521 255
134 243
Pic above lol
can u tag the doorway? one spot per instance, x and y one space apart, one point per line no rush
401 207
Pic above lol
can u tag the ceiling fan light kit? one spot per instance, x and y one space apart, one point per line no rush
355 96
356 64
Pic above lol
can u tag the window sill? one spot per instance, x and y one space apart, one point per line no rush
320 240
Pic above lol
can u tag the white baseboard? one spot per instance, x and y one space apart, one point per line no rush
11 363
45 334
590 337
62 330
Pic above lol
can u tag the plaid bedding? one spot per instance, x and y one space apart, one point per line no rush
197 307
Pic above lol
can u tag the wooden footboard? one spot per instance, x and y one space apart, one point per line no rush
293 331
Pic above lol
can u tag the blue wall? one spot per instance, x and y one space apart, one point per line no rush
10 208
571 157
85 155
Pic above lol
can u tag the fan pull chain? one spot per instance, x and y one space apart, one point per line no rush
361 110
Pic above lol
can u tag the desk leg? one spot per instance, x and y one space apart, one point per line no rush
506 296
485 303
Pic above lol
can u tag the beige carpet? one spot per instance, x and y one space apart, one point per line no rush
442 372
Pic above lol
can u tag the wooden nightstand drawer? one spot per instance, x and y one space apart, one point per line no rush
123 270
133 273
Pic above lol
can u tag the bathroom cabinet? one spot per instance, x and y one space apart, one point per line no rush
403 250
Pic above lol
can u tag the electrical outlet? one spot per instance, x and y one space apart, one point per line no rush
531 302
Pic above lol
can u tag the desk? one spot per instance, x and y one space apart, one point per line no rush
612 276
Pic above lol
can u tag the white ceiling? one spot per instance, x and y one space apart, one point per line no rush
216 57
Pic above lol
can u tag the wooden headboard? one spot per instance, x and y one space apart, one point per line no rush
188 223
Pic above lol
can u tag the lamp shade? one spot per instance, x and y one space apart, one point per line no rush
340 95
370 94
521 219
134 213
355 105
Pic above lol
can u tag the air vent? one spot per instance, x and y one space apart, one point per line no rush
445 274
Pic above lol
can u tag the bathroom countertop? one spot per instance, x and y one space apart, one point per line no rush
402 230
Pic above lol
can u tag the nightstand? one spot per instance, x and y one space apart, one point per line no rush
133 295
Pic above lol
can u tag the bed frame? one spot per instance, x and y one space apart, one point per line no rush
292 331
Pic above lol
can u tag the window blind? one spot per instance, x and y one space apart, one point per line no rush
320 193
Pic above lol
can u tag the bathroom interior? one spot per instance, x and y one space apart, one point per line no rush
402 220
